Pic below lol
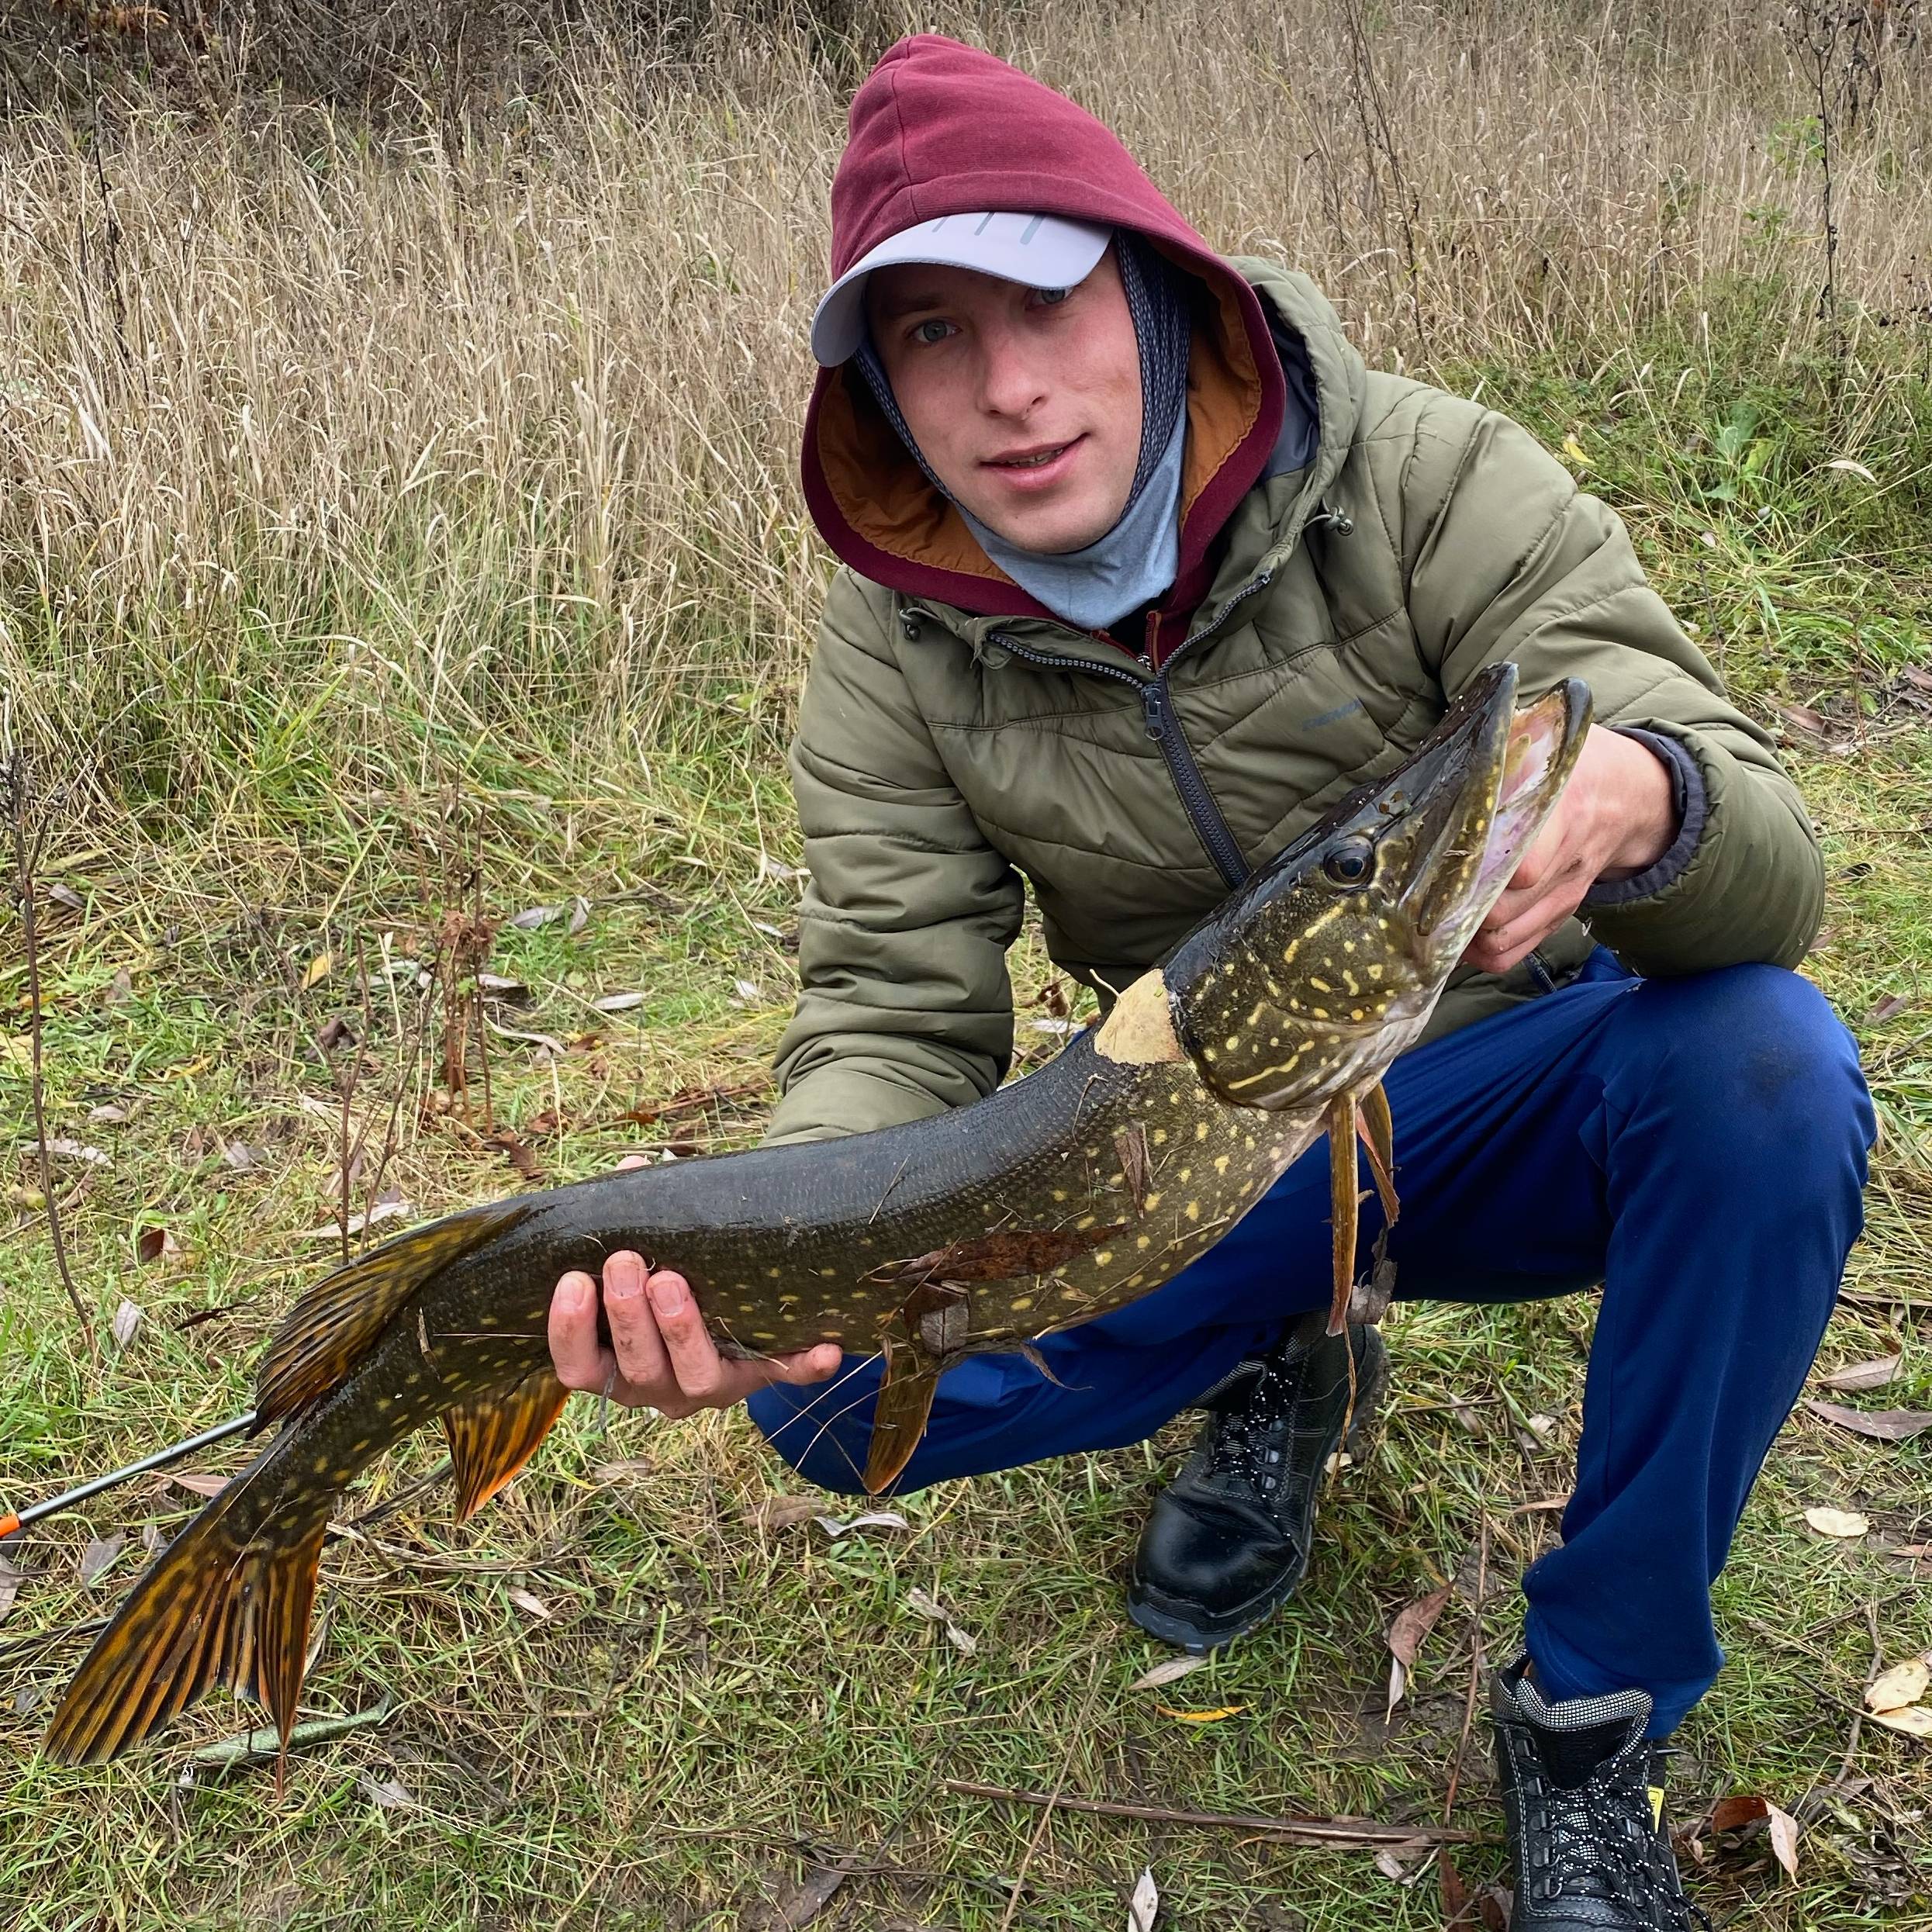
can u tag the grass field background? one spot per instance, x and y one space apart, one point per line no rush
399 534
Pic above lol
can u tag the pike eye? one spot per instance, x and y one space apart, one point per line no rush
1352 864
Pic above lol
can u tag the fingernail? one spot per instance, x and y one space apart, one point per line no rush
573 1294
667 1294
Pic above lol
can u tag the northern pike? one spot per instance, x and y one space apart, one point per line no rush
1068 1192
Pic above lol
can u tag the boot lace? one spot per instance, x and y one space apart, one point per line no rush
1248 1441
1602 1846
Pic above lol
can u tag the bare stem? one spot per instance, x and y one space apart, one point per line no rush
26 853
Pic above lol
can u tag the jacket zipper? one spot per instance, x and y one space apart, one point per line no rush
1164 728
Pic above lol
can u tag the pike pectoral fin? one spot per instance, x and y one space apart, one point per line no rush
905 1402
492 1438
1343 1205
1377 1132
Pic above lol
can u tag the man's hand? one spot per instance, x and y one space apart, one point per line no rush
661 1355
1615 818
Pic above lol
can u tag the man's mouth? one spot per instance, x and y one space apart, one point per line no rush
1036 458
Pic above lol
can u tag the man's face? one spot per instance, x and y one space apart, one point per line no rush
989 372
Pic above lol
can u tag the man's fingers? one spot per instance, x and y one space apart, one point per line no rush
808 1365
633 1160
574 1353
634 1328
694 1359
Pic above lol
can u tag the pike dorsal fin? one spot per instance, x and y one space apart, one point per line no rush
1377 1131
328 1331
492 1437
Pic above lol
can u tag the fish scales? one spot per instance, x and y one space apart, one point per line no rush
1068 1193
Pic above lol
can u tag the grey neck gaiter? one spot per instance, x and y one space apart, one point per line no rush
1136 559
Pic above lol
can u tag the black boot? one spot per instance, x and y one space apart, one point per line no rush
1583 1798
1228 1539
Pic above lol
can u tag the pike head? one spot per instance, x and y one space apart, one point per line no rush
1313 975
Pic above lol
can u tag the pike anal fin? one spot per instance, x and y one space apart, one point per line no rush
1377 1132
910 1381
492 1437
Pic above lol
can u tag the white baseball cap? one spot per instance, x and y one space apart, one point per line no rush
1044 251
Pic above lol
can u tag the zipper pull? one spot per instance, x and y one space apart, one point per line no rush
1153 697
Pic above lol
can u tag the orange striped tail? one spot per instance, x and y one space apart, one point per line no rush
227 1602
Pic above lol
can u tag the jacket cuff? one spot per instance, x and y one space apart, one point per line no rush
1692 806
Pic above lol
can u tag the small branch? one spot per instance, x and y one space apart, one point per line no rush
1359 1833
1475 1666
25 855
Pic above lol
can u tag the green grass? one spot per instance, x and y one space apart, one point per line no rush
707 1705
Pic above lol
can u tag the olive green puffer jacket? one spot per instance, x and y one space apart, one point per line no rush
941 755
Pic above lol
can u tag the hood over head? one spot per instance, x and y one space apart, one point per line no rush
939 128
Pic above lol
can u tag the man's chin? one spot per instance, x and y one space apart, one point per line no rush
1056 532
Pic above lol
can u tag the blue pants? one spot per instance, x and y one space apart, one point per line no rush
1697 1146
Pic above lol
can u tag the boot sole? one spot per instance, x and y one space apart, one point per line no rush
1187 1630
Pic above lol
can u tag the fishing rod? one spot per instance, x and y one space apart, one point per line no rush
37 1513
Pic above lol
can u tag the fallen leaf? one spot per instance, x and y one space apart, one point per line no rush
617 1002
1202 1717
127 1319
9 1587
67 895
318 968
335 1032
529 920
1914 1550
916 1599
154 1244
528 1601
579 916
1175 1668
1784 1839
500 987
239 1156
196 1482
65 1150
1859 1375
1881 1424
99 1553
1892 1004
1904 1684
1804 719
871 1519
747 992
770 868
1143 1907
623 1469
382 1211
109 1114
783 1512
520 1155
1406 1637
1733 1814
121 989
801 1900
1915 1720
1838 1522
28 1698
387 1793
1852 469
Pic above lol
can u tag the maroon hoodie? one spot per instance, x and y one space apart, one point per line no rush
942 129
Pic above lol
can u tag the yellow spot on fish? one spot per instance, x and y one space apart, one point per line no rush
1317 1012
1060 1194
1152 1201
1143 1241
763 1335
1160 1136
1320 986
1105 1256
1073 1294
771 1274
1355 1012
322 1465
786 1300
1194 1210
1201 1130
1187 1175
1220 1163
1375 972
1234 1041
1086 1220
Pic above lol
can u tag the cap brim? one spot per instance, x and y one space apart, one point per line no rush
1042 251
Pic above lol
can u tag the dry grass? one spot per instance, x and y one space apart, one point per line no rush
336 458
403 520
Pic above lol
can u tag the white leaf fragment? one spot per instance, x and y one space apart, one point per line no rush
1175 1668
1145 1904
1838 1522
926 1606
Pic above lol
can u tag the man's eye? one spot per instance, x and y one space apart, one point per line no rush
919 330
1052 297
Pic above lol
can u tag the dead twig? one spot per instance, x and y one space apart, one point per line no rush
1345 1833
1475 1666
27 850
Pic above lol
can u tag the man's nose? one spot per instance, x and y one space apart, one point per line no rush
1012 382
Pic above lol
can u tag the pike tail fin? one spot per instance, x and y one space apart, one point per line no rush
330 1328
227 1602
